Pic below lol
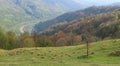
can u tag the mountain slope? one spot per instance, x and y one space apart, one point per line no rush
16 13
96 27
69 17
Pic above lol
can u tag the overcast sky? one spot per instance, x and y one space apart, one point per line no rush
110 1
105 2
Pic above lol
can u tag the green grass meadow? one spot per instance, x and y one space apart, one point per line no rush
63 56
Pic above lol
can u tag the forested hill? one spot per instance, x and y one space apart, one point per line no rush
96 27
69 17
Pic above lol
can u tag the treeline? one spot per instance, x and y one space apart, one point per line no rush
9 40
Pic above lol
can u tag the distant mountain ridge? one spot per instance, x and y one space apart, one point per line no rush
69 17
116 4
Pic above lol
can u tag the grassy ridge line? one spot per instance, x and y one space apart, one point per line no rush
63 56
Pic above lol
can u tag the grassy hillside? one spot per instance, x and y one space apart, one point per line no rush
64 56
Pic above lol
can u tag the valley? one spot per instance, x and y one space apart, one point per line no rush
28 26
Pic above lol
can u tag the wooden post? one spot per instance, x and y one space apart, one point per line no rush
87 45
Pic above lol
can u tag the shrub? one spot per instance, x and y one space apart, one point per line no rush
115 53
38 54
42 57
